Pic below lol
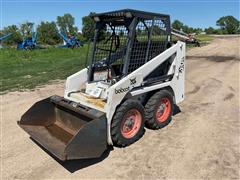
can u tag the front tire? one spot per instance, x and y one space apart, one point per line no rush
128 123
159 110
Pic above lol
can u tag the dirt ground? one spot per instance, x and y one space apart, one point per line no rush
201 142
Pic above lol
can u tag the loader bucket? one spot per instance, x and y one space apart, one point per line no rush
66 131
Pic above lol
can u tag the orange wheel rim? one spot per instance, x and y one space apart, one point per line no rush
163 110
131 123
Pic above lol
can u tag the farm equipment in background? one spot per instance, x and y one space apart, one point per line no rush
28 43
133 79
188 38
2 38
69 41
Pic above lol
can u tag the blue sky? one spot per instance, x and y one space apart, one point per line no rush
198 13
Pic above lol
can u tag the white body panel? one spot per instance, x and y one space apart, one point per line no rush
116 93
76 82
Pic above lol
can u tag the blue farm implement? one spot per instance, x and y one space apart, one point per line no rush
69 41
2 38
29 43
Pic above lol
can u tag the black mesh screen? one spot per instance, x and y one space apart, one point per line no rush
111 44
149 41
158 41
140 44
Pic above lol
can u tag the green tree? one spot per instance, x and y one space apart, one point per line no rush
187 29
156 30
197 30
121 33
15 37
26 29
88 27
80 37
228 24
210 30
47 33
66 24
178 25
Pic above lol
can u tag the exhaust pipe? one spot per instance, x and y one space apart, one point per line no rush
66 130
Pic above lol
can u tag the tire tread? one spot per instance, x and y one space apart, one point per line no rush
117 138
150 107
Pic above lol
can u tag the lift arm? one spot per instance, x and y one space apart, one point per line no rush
64 37
5 36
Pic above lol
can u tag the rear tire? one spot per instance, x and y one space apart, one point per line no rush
159 109
128 123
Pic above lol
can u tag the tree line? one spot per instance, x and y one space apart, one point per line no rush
225 24
47 32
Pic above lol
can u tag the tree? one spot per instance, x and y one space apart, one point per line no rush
121 33
26 29
15 37
178 25
187 29
210 30
66 24
88 27
47 33
80 37
197 30
156 30
229 24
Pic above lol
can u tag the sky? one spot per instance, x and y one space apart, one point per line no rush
195 13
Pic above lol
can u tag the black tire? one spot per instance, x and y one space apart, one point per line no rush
151 109
116 126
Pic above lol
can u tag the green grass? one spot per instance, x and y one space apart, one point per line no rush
201 37
204 37
20 70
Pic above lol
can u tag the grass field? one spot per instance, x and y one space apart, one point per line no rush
20 70
204 38
201 37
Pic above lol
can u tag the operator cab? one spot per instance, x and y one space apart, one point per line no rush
125 40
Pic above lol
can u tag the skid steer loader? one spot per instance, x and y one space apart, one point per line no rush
133 77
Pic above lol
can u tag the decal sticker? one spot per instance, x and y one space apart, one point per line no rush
121 90
181 67
133 81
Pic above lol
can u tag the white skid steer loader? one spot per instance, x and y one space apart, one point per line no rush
132 80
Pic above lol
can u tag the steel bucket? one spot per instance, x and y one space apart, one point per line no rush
66 130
